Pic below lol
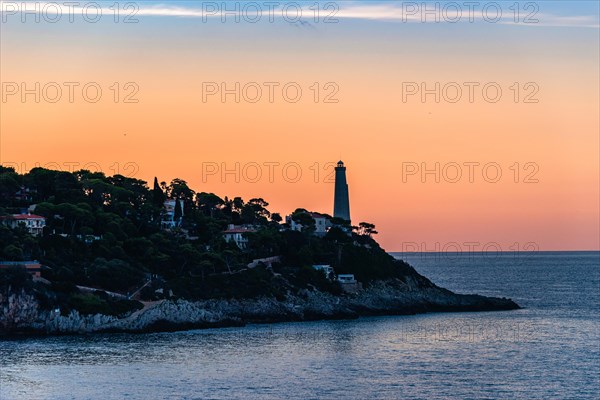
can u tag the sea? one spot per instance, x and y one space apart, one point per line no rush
549 349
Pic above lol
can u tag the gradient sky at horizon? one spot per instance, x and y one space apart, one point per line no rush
369 53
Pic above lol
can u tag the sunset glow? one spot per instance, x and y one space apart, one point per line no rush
516 168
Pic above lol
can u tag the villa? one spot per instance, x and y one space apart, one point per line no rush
33 223
237 235
169 221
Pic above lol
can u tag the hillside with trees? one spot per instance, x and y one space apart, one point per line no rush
104 232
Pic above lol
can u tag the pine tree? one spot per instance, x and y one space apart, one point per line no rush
178 211
157 194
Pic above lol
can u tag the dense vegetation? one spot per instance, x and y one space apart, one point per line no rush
105 233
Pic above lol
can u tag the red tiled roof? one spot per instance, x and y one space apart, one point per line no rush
23 216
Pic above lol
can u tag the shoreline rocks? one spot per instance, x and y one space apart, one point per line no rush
20 313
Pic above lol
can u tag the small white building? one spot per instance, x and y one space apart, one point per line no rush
327 270
348 283
346 278
34 223
168 217
237 234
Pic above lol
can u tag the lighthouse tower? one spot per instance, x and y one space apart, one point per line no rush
341 203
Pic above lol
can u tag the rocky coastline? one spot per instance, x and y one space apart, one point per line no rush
20 312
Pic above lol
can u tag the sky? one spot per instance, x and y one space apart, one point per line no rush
479 131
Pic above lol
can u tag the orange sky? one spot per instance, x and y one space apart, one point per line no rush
171 132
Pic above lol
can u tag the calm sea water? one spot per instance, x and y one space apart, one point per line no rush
549 350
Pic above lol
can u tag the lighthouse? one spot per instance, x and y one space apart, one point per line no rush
341 203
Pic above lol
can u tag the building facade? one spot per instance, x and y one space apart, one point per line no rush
322 223
168 220
237 234
326 269
33 223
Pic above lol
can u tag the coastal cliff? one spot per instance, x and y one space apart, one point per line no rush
110 254
20 312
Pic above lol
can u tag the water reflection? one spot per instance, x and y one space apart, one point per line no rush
541 352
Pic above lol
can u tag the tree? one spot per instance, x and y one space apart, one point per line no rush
178 212
366 229
114 275
265 242
189 257
67 188
200 269
302 217
179 189
9 185
342 223
97 190
127 195
208 202
158 196
237 204
41 181
13 253
255 212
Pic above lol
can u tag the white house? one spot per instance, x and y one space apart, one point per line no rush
237 235
346 278
348 283
34 223
168 218
322 223
327 270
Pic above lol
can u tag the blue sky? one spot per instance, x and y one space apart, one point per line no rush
549 13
